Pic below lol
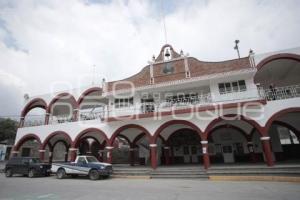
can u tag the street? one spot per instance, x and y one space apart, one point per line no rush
114 189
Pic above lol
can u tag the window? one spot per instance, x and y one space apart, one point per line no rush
236 86
121 103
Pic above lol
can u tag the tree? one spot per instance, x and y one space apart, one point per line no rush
8 129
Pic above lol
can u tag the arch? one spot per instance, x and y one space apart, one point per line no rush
126 138
61 96
87 92
85 131
172 122
122 128
247 136
237 117
66 136
62 141
25 138
279 114
269 59
34 103
175 132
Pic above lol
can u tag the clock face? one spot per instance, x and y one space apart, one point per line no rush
168 68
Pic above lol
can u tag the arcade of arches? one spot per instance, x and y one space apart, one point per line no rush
177 143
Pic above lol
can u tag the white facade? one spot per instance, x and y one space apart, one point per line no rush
253 103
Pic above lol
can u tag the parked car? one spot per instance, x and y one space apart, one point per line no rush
83 165
27 166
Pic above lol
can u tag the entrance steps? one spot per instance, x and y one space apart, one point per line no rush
255 170
180 172
198 172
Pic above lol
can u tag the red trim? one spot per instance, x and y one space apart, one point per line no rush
119 130
82 133
64 95
279 114
265 61
28 107
25 138
237 117
172 122
182 111
87 92
66 136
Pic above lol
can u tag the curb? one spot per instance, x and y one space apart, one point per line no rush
256 178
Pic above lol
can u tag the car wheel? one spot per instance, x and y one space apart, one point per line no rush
61 173
94 175
8 173
31 173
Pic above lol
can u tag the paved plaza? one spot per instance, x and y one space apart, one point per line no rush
129 189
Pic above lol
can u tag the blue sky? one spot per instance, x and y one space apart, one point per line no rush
47 42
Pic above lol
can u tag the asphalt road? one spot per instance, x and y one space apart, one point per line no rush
129 189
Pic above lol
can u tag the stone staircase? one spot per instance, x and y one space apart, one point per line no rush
198 172
255 170
181 172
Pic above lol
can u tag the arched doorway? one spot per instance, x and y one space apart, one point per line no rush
56 147
235 139
91 141
283 128
129 144
182 143
28 146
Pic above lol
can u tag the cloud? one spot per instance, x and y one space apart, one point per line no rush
44 42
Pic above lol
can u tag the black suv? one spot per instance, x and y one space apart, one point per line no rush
27 166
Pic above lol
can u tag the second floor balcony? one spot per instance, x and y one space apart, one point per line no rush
169 104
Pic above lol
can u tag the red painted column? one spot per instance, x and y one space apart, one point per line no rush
131 156
73 152
167 155
267 150
47 117
42 154
206 161
109 154
153 148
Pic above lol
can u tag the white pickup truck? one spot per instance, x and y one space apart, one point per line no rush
83 165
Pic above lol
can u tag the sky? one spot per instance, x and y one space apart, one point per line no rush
48 45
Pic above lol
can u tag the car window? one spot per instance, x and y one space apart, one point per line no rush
91 159
34 160
81 160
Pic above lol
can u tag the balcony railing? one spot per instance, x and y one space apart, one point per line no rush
273 94
279 93
34 120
